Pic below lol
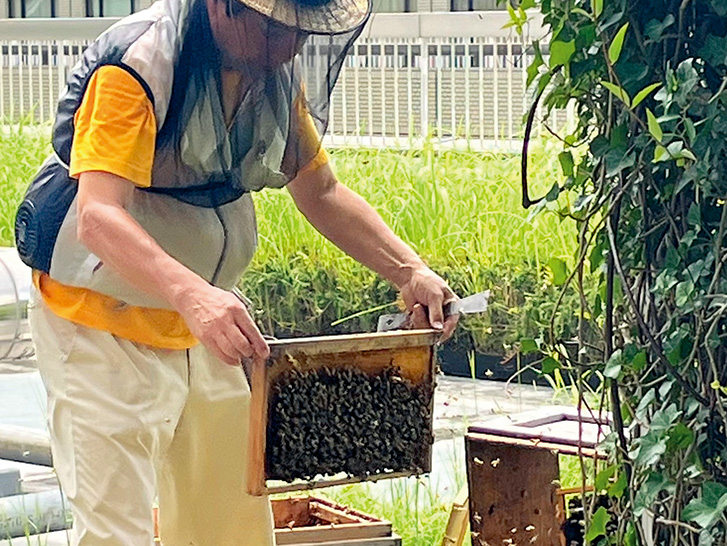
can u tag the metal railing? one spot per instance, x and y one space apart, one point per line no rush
455 78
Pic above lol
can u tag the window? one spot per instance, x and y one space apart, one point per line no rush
110 8
31 8
394 6
476 5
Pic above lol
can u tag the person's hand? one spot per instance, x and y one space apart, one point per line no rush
220 321
425 294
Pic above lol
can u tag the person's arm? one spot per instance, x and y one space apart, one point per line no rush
347 220
216 317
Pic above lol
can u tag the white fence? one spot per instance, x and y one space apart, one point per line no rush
457 78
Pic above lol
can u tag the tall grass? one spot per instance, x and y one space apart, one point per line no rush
22 149
416 511
460 210
455 208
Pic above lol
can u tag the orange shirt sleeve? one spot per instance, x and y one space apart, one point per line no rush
319 160
115 128
305 141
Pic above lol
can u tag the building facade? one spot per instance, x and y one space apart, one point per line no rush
10 9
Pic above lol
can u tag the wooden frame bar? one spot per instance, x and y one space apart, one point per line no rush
337 522
411 351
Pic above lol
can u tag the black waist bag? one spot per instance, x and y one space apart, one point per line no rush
41 214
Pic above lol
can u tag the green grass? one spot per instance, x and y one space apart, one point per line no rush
460 210
416 511
452 207
22 149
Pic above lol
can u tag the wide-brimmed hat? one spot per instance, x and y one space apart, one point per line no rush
314 16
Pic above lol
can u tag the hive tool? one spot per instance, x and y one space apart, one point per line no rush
466 306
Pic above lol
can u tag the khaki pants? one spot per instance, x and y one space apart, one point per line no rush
129 422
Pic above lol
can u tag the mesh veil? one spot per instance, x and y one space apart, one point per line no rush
251 95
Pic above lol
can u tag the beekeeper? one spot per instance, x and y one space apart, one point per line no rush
140 224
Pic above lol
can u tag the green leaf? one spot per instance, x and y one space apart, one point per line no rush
597 256
527 4
675 150
597 527
650 448
681 437
559 270
664 419
566 163
617 161
678 344
687 79
690 129
694 215
528 346
544 80
661 154
655 28
707 510
684 292
654 127
668 117
603 477
597 8
720 7
617 489
599 146
649 491
561 52
554 192
618 92
639 362
614 50
673 260
714 51
705 538
549 365
645 92
619 137
613 366
534 69
630 539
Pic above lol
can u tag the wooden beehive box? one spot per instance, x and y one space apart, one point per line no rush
411 353
308 520
513 474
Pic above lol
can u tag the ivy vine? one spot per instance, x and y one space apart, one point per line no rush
646 170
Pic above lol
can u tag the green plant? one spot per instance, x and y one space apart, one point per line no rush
23 147
646 184
458 209
413 507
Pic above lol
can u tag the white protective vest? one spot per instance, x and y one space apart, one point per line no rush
199 207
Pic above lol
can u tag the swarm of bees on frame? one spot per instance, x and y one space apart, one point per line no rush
327 421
